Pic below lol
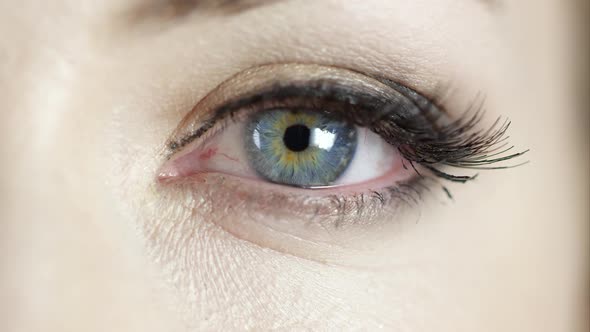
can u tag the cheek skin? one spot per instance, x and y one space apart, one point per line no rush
225 277
206 264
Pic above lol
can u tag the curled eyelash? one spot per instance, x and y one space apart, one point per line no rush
458 144
423 132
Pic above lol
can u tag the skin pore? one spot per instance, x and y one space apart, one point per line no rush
92 92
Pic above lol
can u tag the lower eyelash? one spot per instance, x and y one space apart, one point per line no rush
355 208
333 210
408 194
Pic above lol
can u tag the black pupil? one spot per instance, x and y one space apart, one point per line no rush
296 138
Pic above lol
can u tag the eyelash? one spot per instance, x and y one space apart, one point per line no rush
415 125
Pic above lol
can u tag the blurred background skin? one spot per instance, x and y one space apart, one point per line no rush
72 257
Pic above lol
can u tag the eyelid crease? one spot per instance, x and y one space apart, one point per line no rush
348 87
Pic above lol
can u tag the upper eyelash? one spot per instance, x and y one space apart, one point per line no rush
321 89
421 130
458 144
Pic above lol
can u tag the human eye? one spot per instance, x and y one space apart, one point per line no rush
292 143
297 132
294 146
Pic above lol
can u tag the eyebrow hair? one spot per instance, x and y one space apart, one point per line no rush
166 10
170 9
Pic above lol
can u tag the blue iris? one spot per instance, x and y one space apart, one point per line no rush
299 148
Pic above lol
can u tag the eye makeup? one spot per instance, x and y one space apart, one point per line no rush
357 97
422 143
425 135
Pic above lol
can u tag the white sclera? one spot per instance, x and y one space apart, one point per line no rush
225 153
372 159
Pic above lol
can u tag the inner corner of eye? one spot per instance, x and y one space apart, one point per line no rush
301 148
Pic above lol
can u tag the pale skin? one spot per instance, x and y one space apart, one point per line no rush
92 241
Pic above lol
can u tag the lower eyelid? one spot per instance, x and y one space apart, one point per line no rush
307 226
400 174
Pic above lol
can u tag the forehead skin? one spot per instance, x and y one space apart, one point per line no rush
90 91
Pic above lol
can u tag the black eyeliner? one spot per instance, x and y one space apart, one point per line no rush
329 90
422 132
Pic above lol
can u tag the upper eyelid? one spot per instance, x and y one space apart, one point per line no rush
211 116
424 133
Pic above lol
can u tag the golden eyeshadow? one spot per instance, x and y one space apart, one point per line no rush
261 87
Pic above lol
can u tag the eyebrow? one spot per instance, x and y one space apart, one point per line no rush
172 9
164 10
